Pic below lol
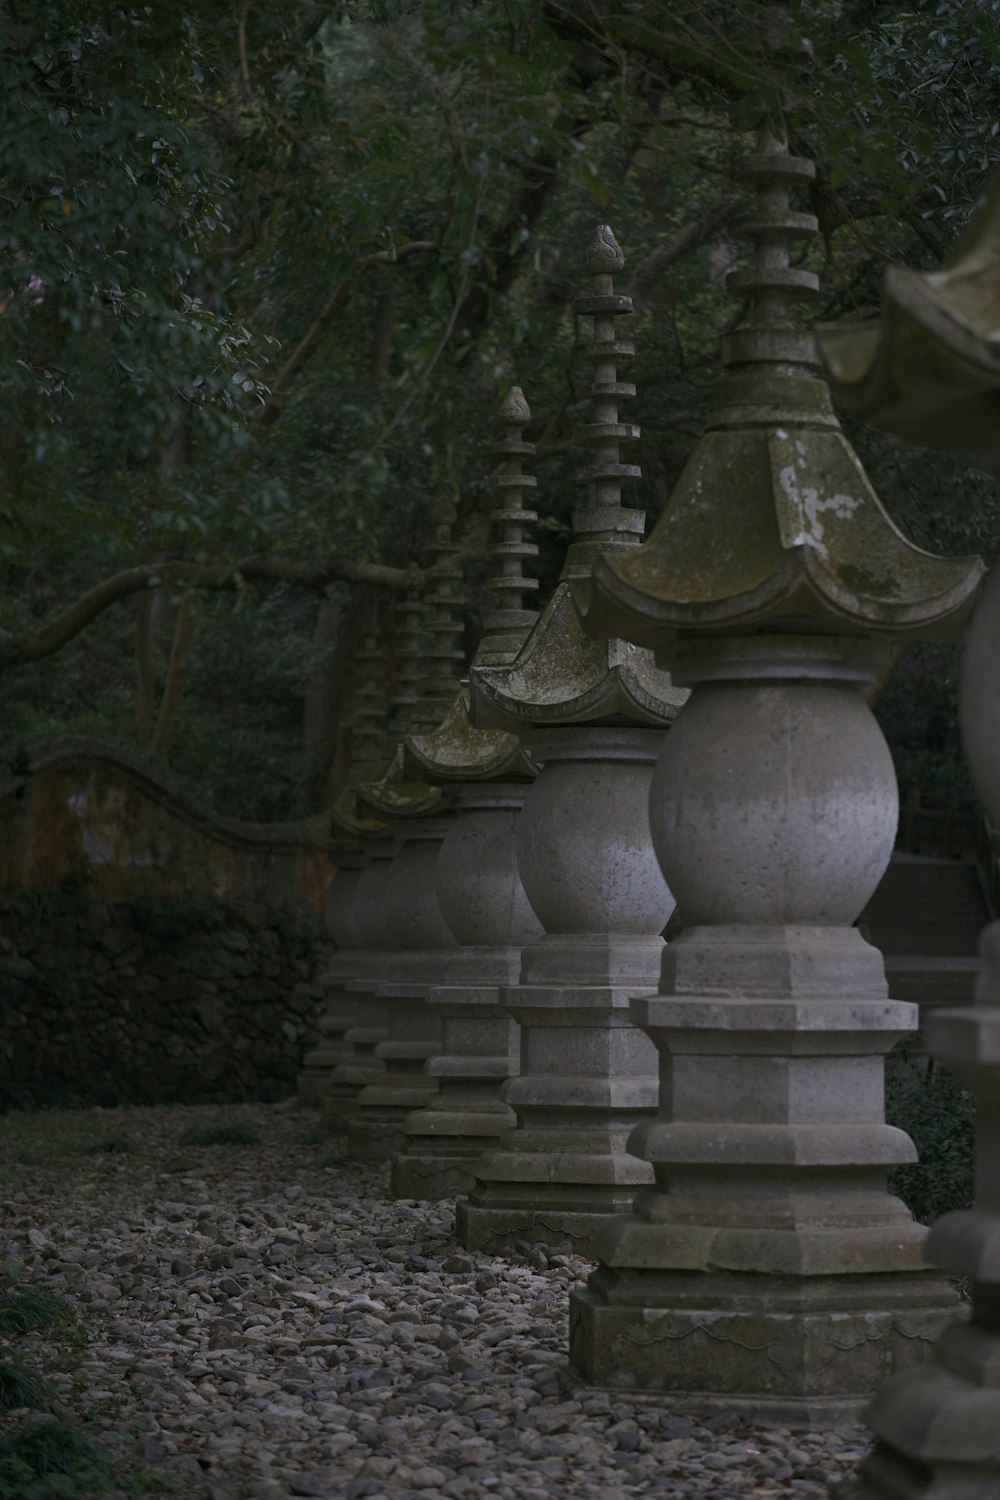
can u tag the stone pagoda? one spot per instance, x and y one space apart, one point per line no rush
593 714
417 813
929 371
769 1268
366 968
353 834
478 887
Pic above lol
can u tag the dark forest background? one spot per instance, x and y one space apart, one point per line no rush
266 272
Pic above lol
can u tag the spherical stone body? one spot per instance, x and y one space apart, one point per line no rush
478 887
339 910
774 804
980 699
369 904
584 849
412 913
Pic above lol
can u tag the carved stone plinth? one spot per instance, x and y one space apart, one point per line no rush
413 1033
445 1138
768 1267
484 904
361 1067
587 1075
339 1010
369 1025
937 1429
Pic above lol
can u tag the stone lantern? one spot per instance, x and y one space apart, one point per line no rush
478 887
352 835
365 969
929 371
769 1268
418 816
593 714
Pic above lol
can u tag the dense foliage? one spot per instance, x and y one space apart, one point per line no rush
268 270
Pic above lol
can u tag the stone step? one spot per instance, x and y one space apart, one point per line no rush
927 907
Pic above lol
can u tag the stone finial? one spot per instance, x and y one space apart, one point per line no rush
773 520
514 409
507 623
444 658
368 723
409 609
773 285
604 254
604 519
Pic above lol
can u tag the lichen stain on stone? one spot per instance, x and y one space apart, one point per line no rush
121 838
863 581
811 507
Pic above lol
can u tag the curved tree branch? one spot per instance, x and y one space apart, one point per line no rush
681 244
334 304
35 645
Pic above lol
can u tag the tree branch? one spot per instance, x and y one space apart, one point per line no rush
684 242
334 304
35 645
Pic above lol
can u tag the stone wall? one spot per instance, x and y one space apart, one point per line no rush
76 810
145 1001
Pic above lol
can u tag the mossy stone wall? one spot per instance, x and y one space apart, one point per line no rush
145 1002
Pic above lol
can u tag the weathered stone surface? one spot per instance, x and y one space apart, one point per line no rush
413 1033
484 904
773 813
89 813
133 1001
587 1075
770 1151
369 965
340 1009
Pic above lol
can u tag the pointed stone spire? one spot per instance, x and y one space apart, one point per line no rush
559 676
455 750
773 519
444 659
604 518
409 610
369 720
508 622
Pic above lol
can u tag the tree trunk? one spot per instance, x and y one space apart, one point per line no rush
145 670
173 687
322 700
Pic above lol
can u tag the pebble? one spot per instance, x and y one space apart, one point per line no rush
265 1324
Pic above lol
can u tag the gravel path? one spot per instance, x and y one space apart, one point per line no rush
265 1323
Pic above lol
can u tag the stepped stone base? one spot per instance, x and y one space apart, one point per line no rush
937 1438
348 1081
318 1067
588 1077
791 1350
310 1086
444 1143
547 1213
376 1131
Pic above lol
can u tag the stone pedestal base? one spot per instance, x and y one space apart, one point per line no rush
479 1052
333 1050
432 1166
769 1261
937 1429
587 1076
790 1350
339 1015
937 1438
375 1127
362 1067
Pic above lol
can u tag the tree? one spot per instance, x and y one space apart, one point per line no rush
270 269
